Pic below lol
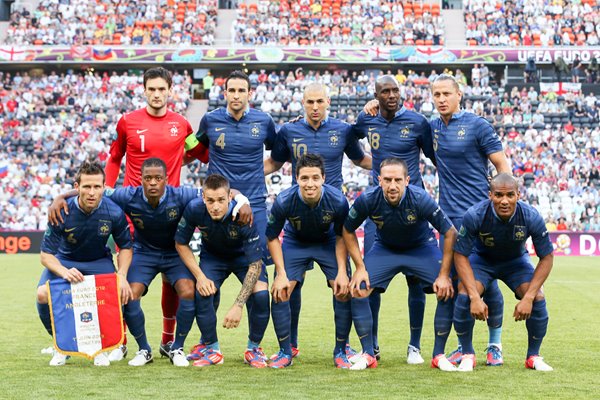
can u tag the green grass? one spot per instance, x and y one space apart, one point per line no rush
571 346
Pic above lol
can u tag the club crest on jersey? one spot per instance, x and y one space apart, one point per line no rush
334 139
405 132
435 141
353 213
174 131
86 317
519 233
327 217
411 216
104 227
271 219
234 232
255 130
461 133
172 213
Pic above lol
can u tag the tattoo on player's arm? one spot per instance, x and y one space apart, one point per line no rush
251 278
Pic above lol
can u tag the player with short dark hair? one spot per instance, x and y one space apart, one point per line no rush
236 137
155 209
320 134
397 132
226 248
497 230
77 247
464 144
315 213
405 243
154 131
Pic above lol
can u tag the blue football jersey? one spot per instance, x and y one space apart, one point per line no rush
236 148
83 237
223 238
461 152
404 226
308 224
330 141
497 240
154 227
403 137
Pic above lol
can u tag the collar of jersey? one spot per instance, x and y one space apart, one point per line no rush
231 116
458 114
398 113
80 209
323 123
228 213
500 219
162 198
319 203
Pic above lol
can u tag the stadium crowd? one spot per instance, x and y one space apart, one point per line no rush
85 22
50 123
531 23
337 22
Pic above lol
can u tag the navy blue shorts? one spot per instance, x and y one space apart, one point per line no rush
513 272
96 267
384 263
145 266
260 222
298 258
217 269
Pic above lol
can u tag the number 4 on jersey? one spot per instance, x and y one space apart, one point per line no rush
221 141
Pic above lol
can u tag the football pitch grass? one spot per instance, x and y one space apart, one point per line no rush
572 347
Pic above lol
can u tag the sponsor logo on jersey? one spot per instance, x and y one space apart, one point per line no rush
140 131
486 239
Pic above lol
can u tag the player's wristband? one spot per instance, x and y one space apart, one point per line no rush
241 199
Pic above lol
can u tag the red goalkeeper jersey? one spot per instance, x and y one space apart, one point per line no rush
141 136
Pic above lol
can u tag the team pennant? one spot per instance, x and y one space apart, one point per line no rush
86 316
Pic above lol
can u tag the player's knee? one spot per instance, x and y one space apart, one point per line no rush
343 298
539 296
185 289
260 286
137 290
42 295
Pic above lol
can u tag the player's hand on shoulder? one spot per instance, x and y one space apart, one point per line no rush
479 309
72 275
523 310
206 287
54 215
280 289
371 108
443 288
296 119
233 317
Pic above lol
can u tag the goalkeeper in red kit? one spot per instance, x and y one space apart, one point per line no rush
154 131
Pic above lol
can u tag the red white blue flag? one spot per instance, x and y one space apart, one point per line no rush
86 316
